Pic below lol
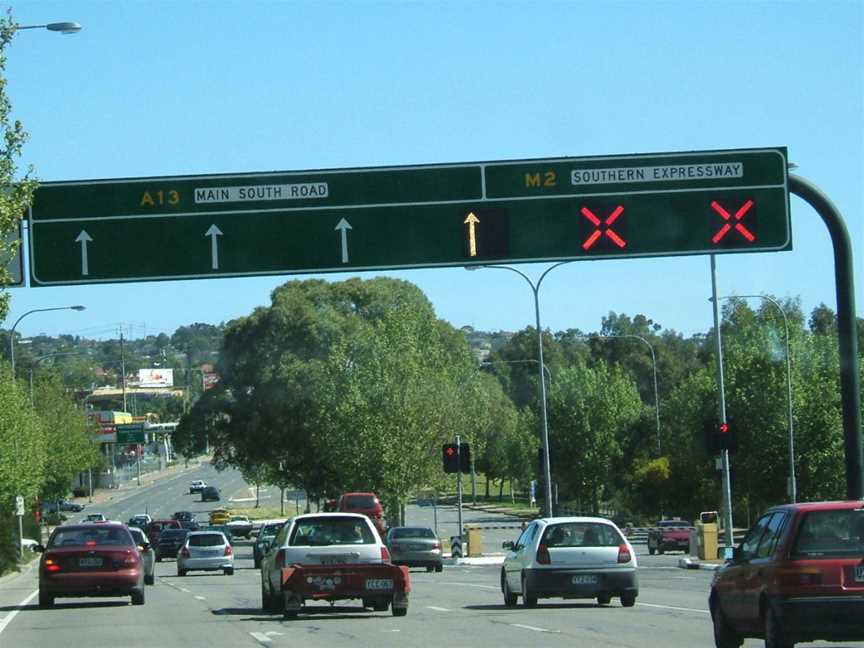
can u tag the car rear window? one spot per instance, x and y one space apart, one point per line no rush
674 523
581 534
830 534
94 536
409 532
206 540
326 531
173 534
138 535
271 529
359 502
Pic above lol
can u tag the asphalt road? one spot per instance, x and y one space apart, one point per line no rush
460 607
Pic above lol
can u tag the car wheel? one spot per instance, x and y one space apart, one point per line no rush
181 572
400 612
46 601
604 599
429 568
509 597
650 551
138 597
529 600
158 558
288 613
149 579
628 600
381 605
368 603
724 635
229 571
774 637
439 568
257 563
660 550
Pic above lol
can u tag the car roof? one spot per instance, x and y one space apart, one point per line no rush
820 506
306 516
556 520
359 493
210 531
108 524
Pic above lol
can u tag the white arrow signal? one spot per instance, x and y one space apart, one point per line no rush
213 232
343 226
84 238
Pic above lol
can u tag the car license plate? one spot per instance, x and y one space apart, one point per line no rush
335 559
584 580
89 562
859 573
379 584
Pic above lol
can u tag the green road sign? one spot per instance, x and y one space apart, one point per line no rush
131 433
407 217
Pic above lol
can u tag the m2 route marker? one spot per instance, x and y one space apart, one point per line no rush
659 204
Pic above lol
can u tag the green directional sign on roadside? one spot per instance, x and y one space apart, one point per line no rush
131 433
189 227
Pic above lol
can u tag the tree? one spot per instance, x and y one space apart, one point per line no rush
16 193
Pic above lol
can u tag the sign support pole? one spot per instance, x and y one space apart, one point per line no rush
459 481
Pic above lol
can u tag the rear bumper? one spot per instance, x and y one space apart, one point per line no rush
559 582
119 583
416 558
347 582
834 618
214 563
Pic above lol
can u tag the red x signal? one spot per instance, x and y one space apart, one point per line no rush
603 227
728 225
450 451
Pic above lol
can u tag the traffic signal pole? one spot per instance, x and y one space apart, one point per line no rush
724 453
459 482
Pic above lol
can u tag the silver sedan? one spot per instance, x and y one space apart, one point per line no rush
414 547
206 551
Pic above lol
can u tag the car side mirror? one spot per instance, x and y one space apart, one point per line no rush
145 546
39 548
508 545
731 554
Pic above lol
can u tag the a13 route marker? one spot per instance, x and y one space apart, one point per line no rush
184 227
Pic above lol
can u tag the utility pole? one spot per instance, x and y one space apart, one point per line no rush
459 481
123 368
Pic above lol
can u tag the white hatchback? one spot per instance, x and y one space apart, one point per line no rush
206 551
570 557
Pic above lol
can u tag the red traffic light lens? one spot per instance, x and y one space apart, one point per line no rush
724 428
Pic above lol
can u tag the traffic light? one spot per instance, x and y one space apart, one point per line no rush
450 454
456 458
720 436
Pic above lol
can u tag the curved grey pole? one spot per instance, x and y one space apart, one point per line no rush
847 343
535 288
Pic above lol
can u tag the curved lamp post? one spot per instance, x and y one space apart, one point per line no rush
30 312
62 27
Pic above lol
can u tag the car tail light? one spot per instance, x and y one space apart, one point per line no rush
280 559
543 556
130 559
51 565
385 554
228 550
184 552
436 545
623 553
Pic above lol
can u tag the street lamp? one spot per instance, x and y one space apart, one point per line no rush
535 288
793 490
35 310
62 27
654 365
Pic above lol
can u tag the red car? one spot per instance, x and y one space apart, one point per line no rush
366 504
156 527
90 560
797 576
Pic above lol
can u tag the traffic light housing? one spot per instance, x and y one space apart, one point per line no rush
456 458
720 436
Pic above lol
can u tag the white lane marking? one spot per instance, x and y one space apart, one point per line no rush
489 587
436 608
5 621
672 607
183 589
528 627
260 637
200 598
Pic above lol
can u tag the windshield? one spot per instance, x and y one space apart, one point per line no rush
331 531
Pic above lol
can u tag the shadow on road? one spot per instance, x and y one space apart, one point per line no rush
549 606
61 606
320 613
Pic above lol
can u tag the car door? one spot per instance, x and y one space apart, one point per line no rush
511 561
731 586
523 555
756 573
268 566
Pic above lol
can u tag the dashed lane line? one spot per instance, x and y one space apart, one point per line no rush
260 637
437 609
201 598
673 607
532 628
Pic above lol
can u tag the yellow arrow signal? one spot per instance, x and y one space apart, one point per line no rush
471 220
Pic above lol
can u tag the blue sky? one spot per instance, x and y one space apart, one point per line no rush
167 88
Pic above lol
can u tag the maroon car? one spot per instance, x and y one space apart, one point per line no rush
797 576
98 559
156 527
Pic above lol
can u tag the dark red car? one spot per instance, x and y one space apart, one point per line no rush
156 527
366 504
797 576
99 559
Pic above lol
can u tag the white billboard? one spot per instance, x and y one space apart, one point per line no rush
155 377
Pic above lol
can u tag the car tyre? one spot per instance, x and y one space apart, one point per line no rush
138 597
429 568
774 637
628 600
288 614
399 611
381 605
651 551
604 599
529 600
257 563
149 579
439 568
46 601
181 572
158 558
510 598
229 571
660 550
724 635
